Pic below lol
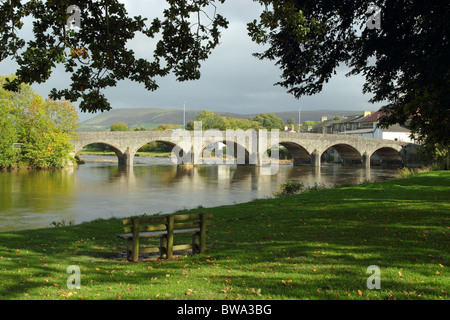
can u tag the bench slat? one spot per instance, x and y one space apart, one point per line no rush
148 250
156 227
145 220
157 234
182 247
186 225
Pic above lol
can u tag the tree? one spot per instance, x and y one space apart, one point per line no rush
307 124
209 119
405 62
168 126
290 121
43 128
8 135
243 124
96 55
269 121
119 126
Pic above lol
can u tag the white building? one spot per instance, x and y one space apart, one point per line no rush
365 126
394 132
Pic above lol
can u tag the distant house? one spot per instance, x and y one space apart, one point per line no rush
286 128
364 126
346 123
369 129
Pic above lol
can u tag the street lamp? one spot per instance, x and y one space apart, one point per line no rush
299 117
184 116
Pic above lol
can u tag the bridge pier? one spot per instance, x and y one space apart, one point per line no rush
315 158
366 160
126 159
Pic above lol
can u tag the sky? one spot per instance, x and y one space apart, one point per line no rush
232 80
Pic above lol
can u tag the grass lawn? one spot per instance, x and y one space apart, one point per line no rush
314 245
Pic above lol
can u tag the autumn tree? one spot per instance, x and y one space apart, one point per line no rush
42 128
119 126
8 136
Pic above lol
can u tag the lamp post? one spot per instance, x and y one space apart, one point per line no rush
299 117
184 116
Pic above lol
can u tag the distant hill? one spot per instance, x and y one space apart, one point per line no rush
150 118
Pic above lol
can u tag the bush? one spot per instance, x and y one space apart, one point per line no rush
288 188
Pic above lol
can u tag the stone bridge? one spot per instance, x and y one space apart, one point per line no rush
306 148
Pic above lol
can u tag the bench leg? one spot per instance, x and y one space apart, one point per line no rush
170 225
129 250
196 243
135 245
202 233
163 247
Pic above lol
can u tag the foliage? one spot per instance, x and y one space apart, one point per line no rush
156 146
306 124
289 188
209 120
8 135
43 128
290 121
168 126
97 55
435 155
405 62
139 129
243 124
283 153
119 126
269 121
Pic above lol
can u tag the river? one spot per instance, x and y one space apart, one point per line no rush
102 189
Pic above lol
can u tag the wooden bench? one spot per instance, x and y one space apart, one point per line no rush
165 227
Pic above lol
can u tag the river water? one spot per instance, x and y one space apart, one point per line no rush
102 189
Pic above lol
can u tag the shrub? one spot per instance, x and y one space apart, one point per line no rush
406 172
288 188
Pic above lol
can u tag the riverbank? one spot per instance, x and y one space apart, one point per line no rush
314 245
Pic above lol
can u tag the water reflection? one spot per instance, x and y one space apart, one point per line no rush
35 198
103 190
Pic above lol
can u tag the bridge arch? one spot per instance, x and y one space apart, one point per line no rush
386 156
120 155
179 154
114 147
347 154
238 151
299 154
